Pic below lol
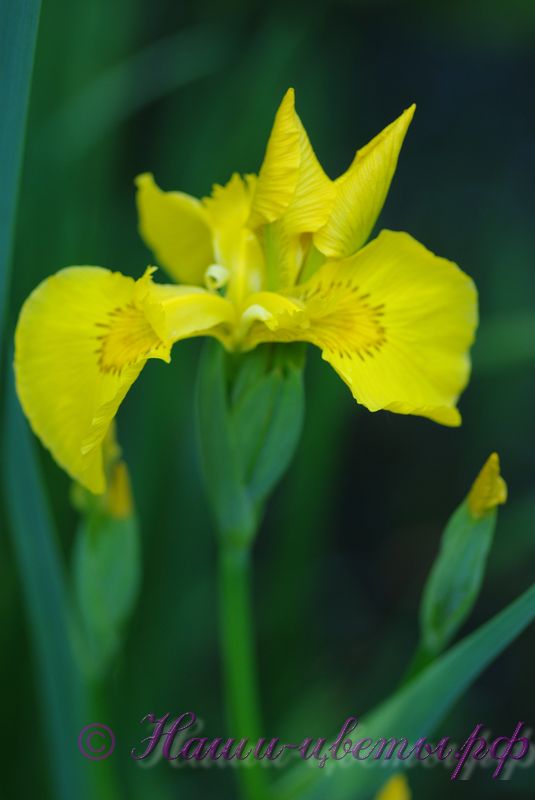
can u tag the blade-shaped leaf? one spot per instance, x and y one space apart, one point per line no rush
413 711
18 32
35 547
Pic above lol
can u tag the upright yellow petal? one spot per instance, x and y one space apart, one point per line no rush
283 255
397 788
311 203
293 195
309 209
236 247
489 489
361 191
280 169
228 209
395 321
176 227
81 341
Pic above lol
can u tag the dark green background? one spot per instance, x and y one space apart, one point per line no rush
188 91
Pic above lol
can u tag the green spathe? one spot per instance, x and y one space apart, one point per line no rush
250 413
456 577
107 573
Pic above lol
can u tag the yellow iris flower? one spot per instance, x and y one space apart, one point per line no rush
276 257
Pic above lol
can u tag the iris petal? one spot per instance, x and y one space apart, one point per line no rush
362 190
75 362
82 339
395 321
176 227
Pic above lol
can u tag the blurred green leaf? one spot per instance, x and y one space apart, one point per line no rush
124 89
35 545
19 21
415 710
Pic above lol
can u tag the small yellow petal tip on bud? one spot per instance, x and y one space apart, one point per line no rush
397 788
143 179
489 489
119 499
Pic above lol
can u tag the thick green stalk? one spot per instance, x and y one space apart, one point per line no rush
249 417
239 662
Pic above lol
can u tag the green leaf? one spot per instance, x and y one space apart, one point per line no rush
156 70
18 32
413 711
456 577
37 554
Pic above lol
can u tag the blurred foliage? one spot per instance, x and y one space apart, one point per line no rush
188 91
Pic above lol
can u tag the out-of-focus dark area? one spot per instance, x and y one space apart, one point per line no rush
188 91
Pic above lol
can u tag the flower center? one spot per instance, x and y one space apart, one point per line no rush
127 339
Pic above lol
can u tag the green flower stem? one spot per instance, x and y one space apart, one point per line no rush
239 662
249 419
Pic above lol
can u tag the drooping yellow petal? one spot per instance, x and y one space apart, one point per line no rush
489 489
361 191
395 321
397 788
82 338
280 169
81 341
177 229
